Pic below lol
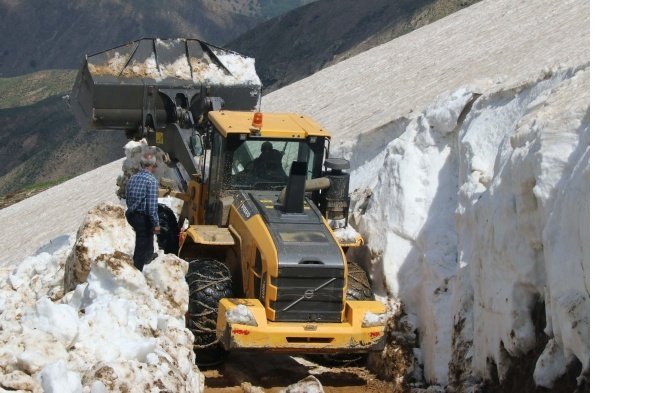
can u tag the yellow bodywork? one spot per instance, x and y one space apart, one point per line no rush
300 337
194 202
274 125
210 235
348 336
248 248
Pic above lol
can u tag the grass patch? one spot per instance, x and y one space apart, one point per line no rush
28 191
46 184
30 88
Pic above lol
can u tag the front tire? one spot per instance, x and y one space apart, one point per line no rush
208 281
358 287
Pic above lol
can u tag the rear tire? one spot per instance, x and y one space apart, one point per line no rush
168 238
208 281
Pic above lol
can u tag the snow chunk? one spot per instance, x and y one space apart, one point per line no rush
165 277
104 231
309 384
56 378
241 314
372 319
241 68
17 380
550 366
57 320
344 234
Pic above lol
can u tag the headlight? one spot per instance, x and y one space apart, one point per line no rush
371 319
242 315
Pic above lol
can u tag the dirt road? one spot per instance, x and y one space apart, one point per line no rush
252 372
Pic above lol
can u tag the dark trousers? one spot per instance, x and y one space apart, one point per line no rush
144 238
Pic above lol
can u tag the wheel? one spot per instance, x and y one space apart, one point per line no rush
168 238
208 281
359 284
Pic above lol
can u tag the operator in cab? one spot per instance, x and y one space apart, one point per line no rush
268 164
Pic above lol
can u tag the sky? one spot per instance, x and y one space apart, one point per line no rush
431 161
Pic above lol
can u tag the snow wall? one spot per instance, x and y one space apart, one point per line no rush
477 213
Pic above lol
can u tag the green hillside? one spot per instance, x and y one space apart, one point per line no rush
42 143
28 89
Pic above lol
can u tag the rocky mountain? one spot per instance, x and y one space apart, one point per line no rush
29 89
307 39
43 143
39 137
40 35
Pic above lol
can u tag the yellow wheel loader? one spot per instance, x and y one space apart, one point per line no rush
265 209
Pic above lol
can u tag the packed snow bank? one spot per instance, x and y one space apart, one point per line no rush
479 212
120 330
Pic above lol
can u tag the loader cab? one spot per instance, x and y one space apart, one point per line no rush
246 159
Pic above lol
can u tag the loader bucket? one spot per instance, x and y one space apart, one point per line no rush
147 82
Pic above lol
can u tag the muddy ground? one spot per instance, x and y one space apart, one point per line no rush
254 372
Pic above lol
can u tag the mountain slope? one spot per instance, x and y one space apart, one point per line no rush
287 48
272 8
445 59
28 89
42 142
41 35
305 40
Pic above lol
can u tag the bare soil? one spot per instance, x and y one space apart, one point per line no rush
255 372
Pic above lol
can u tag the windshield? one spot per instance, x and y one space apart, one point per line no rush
240 163
263 164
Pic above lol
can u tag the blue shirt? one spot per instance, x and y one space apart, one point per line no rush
142 195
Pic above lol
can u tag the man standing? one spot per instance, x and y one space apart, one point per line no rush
142 213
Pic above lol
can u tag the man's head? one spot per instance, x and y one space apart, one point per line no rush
266 146
148 162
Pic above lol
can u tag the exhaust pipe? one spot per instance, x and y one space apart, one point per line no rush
294 192
334 203
319 183
333 200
